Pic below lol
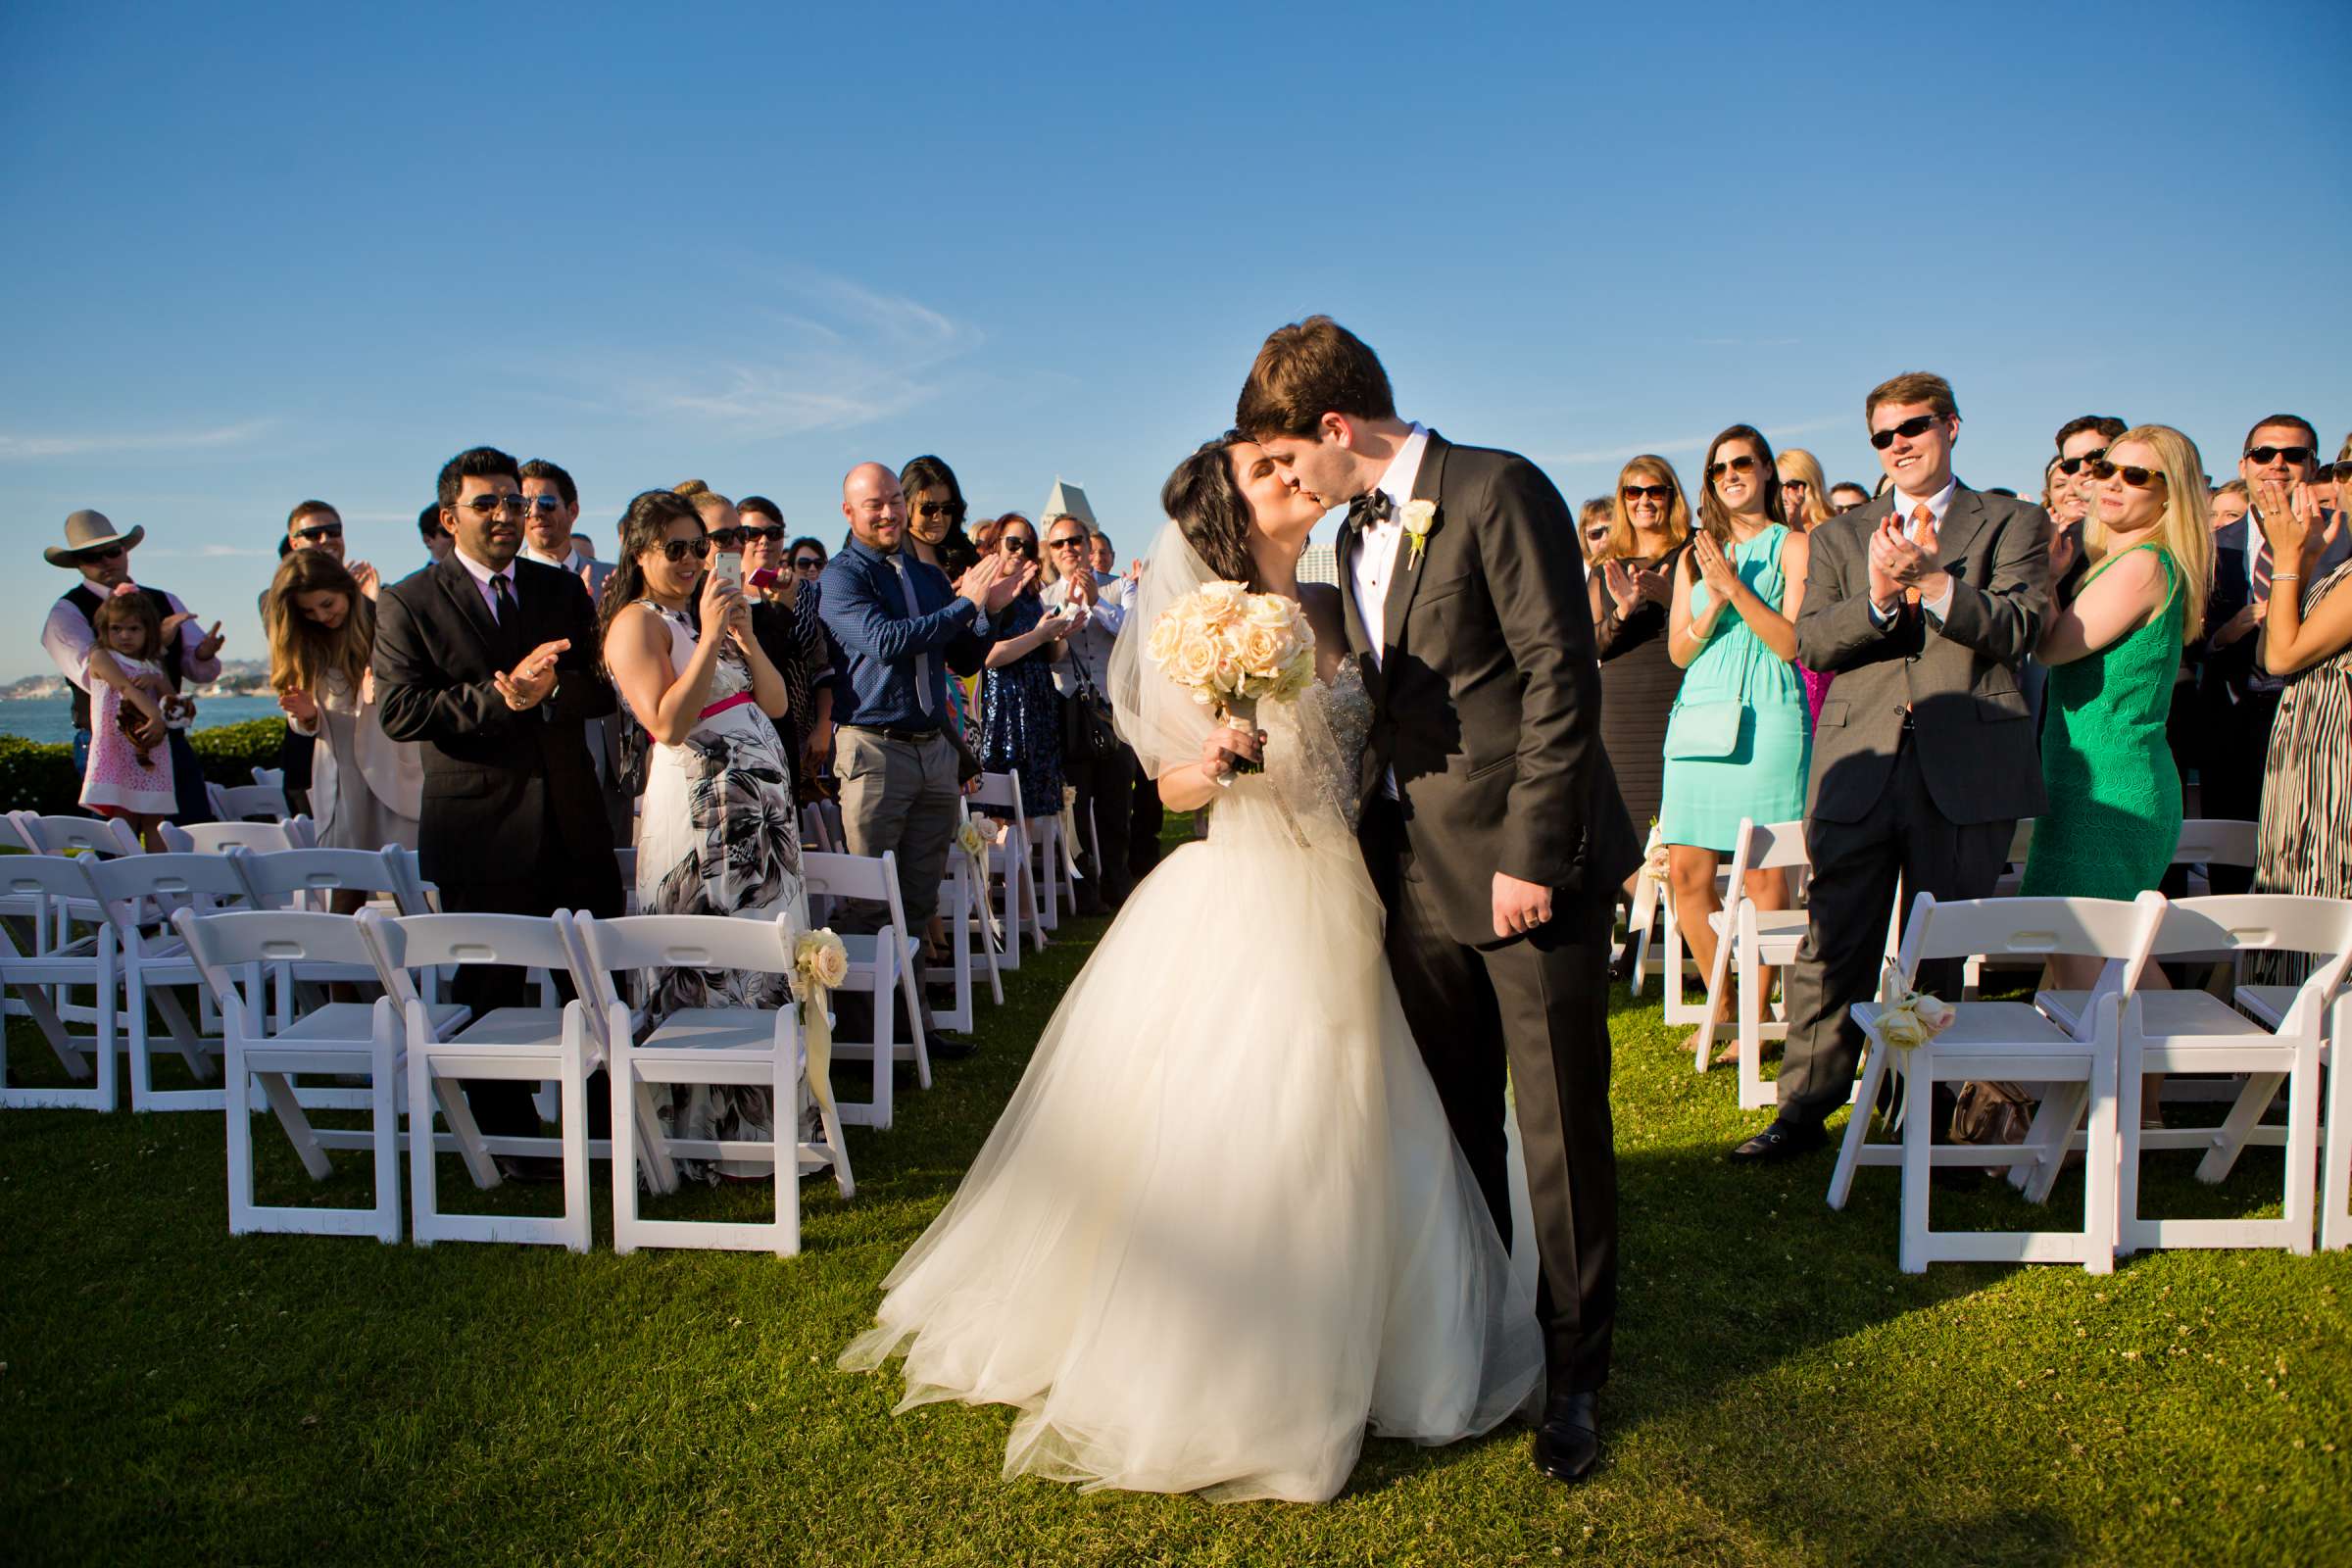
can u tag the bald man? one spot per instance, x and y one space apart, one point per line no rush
902 627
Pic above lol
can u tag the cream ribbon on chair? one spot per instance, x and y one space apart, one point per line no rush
819 966
1907 1019
974 844
1069 831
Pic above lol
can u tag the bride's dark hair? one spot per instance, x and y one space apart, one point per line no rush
1211 511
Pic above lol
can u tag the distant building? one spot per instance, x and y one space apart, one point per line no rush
1320 564
1070 501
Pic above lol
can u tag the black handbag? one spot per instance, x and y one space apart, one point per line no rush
1087 731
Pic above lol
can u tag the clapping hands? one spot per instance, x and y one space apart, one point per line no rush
528 684
2289 518
995 581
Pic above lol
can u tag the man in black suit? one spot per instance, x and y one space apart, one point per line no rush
1924 603
2238 698
1492 823
491 663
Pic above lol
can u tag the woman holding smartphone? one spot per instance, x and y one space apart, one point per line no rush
1020 712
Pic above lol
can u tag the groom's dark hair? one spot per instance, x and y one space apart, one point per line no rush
1308 369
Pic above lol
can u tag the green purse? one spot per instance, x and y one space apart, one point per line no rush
1703 731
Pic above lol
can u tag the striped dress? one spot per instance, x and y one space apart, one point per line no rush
2307 788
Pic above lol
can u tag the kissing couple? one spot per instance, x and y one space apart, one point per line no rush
1253 1193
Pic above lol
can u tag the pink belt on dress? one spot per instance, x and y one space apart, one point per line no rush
723 704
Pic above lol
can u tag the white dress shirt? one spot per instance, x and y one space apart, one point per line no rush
1087 646
571 563
481 579
1938 505
1376 553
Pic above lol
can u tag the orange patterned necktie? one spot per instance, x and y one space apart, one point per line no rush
1923 532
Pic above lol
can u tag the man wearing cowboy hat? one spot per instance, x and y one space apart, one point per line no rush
101 552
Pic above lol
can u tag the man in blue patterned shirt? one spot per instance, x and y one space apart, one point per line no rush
902 627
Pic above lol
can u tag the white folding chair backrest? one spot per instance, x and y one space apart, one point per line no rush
2268 922
274 777
227 939
219 838
1002 791
132 884
2022 928
241 800
2217 841
13 837
409 942
1777 846
60 877
305 878
69 835
686 942
871 878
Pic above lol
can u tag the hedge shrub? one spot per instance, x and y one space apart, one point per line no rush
34 777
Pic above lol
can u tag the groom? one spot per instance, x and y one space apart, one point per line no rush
1491 821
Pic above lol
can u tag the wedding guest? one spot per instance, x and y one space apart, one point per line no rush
2229 507
2240 697
131 770
438 540
1592 523
1924 605
1100 554
2080 442
935 512
901 627
719 516
1020 712
1094 760
1738 740
808 557
489 664
1804 493
1845 497
2306 642
786 620
551 537
721 827
367 789
101 554
2113 816
1632 589
317 527
984 534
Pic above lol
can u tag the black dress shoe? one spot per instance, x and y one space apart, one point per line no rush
1568 1439
1783 1140
535 1168
945 1045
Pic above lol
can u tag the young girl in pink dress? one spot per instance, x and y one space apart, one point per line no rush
130 773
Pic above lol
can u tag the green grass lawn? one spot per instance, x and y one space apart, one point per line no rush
1782 1394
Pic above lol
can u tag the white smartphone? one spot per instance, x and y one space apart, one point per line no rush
729 565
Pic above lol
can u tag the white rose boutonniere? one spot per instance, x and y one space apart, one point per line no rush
1419 517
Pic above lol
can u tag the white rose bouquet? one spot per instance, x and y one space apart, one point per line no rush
1231 649
1907 1019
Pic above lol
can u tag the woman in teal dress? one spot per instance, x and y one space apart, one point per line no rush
1739 743
2114 815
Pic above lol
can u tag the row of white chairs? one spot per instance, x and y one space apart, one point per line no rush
2085 1055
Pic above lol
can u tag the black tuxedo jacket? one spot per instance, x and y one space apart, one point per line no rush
1958 681
499 785
1487 694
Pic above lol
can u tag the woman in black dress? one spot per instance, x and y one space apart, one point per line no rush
1631 583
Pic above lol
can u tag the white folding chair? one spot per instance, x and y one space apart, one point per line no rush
1009 859
752 1046
274 777
1749 939
881 964
141 892
236 802
2211 840
25 915
527 1043
2001 1040
1641 914
345 1039
103 837
1675 963
258 837
37 882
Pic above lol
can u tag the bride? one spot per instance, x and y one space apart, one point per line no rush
1222 1227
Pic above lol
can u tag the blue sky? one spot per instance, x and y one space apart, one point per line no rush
258 253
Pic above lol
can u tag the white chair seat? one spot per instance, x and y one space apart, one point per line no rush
525 1030
2269 1004
349 1020
691 1030
1989 1025
2162 1013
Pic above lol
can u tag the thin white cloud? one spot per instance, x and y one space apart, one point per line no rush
1667 447
205 553
32 448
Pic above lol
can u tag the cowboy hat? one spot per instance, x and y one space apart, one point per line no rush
86 531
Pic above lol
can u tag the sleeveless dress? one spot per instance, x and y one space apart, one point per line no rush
2306 788
1223 1226
1020 714
2114 815
1739 742
1639 681
718 834
120 781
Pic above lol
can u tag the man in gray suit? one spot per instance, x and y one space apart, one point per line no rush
552 504
1924 603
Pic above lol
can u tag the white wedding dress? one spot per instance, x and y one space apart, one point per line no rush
1222 1227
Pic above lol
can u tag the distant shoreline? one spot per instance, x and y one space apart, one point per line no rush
48 719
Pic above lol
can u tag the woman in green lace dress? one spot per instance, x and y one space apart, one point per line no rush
2113 817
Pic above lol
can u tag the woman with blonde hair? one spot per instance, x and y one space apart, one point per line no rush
367 789
1632 584
2114 815
1804 490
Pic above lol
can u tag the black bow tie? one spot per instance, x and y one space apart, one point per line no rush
1370 510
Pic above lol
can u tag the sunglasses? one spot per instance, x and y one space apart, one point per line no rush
2137 478
808 563
325 530
102 552
2339 471
675 551
950 509
485 506
1069 541
1910 429
771 532
1016 545
726 538
545 506
1716 471
2293 456
2074 465
1660 493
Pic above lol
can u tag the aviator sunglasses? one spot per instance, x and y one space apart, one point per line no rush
1660 493
675 551
1716 471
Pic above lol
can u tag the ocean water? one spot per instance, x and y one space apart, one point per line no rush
50 719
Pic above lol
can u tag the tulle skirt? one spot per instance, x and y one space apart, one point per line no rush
1222 1227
